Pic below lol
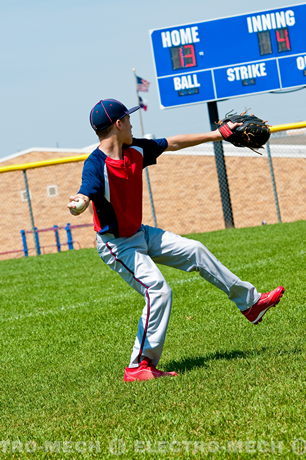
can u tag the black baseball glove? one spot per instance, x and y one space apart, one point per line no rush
253 133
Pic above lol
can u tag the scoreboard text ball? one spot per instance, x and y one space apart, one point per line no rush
230 57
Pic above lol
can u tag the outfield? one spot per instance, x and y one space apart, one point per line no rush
67 327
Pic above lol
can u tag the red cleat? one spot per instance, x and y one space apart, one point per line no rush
267 300
145 371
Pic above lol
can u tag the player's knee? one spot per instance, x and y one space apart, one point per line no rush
198 252
197 248
166 292
165 296
162 289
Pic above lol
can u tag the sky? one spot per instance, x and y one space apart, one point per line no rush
59 57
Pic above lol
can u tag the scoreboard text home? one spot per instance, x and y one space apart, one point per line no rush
211 60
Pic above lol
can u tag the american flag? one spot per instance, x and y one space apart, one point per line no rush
142 84
142 104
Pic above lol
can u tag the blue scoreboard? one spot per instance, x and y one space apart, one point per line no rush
229 57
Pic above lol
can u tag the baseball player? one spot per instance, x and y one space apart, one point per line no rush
112 181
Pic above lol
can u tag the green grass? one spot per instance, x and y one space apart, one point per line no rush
67 326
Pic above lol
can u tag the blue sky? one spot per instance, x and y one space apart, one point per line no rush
59 57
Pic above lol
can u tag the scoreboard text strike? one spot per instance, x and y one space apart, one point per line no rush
235 56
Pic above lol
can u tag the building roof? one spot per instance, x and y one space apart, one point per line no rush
284 144
292 139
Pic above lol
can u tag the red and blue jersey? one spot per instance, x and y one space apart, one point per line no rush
115 186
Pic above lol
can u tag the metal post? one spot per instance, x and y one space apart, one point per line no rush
146 169
69 236
279 218
57 238
221 169
24 243
37 243
151 197
31 212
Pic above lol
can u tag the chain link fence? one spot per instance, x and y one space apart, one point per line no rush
185 194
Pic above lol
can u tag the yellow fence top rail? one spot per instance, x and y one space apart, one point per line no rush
58 161
276 128
40 164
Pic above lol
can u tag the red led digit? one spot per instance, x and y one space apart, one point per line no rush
189 56
283 40
183 56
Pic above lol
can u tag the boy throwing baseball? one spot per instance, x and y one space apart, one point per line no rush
112 181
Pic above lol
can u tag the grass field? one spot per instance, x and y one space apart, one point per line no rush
67 327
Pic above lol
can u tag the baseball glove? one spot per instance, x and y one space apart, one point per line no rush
253 133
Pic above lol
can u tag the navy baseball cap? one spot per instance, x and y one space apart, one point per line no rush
107 111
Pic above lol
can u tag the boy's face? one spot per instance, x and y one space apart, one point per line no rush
126 130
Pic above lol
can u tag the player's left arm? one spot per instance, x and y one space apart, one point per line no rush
181 141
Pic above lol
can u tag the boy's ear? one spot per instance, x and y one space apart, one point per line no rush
118 124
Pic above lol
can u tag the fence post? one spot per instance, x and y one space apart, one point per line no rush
147 175
57 238
37 243
24 243
27 190
151 197
279 218
69 236
221 169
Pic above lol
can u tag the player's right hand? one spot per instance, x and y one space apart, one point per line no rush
73 200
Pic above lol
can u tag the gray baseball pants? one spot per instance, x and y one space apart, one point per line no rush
135 258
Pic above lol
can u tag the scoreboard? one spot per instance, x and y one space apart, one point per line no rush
229 57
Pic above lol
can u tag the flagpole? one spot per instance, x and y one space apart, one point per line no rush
146 169
139 111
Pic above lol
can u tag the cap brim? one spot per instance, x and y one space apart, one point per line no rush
133 109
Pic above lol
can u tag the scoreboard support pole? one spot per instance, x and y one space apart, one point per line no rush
221 169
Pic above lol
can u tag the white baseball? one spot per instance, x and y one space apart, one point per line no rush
79 205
